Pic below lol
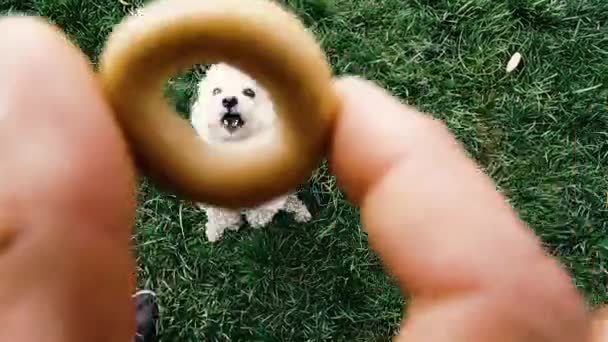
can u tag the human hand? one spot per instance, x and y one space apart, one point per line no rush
67 195
474 271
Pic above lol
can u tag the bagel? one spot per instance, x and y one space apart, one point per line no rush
259 37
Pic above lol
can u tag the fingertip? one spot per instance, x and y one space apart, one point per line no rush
14 20
373 131
57 133
35 53
355 88
30 33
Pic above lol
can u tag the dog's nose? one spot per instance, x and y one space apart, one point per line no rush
230 102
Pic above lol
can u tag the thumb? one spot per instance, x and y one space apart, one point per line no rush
444 232
66 195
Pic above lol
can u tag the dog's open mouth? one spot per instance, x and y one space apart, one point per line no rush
232 121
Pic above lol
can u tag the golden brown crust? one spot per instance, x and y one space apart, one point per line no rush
260 38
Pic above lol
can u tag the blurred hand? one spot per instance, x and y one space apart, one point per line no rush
474 271
67 196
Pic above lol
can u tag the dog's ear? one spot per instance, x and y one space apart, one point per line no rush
201 69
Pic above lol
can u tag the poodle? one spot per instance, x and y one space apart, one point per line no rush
232 108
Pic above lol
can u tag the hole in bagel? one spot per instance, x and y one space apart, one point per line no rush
223 103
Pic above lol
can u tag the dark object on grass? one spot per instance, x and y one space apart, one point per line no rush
147 315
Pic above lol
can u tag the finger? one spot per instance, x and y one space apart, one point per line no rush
66 194
415 172
440 226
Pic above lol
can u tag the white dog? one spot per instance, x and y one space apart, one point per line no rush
232 108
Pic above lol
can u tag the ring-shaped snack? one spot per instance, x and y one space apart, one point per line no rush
260 38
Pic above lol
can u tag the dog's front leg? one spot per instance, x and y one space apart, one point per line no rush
296 207
218 220
263 215
259 218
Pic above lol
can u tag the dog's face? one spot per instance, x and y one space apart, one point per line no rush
231 105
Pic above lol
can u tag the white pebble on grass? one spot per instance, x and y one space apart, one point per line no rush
513 62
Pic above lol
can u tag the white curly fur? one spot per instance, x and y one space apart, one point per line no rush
260 119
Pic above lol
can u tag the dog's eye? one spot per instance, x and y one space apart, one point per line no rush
249 92
216 91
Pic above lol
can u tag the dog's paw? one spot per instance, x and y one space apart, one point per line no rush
260 218
299 210
302 215
234 227
213 235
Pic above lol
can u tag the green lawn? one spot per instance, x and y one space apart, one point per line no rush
541 132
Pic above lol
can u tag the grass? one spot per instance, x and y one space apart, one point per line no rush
541 133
